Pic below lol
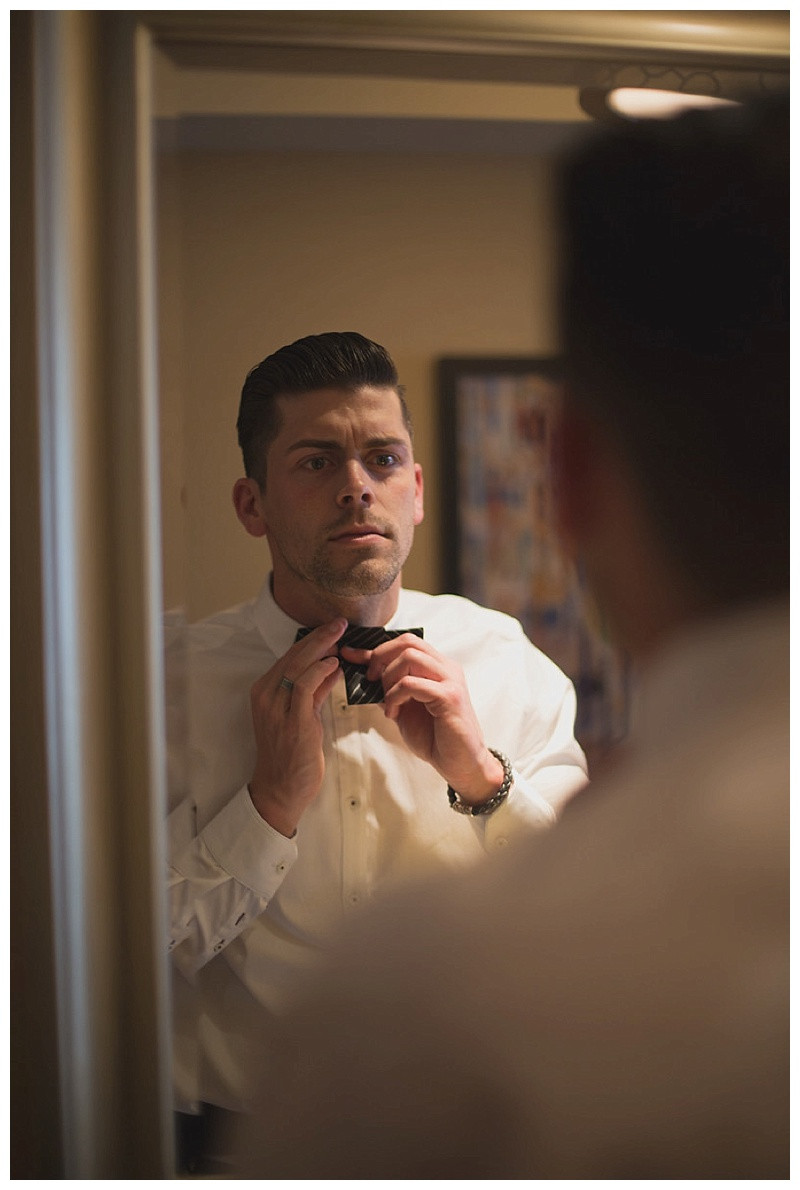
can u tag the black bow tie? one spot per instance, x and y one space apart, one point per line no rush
359 689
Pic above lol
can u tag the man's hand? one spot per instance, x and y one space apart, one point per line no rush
287 723
427 696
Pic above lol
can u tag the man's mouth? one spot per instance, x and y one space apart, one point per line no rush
356 532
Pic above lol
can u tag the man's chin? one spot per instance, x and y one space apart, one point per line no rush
366 578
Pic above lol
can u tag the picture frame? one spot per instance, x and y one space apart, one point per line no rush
500 545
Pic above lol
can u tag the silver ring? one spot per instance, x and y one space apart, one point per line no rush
287 683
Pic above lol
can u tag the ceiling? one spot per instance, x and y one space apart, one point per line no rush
434 82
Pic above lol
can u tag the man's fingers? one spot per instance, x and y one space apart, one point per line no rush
411 663
303 654
305 687
327 684
384 653
315 644
312 677
284 692
431 693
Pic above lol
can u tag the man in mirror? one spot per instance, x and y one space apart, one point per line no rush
612 1001
346 735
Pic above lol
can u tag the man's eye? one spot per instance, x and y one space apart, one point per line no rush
386 460
316 464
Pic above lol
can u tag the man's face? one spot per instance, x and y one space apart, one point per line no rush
342 495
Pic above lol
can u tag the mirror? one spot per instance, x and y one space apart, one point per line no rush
384 173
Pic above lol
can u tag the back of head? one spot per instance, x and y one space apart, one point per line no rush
674 311
336 359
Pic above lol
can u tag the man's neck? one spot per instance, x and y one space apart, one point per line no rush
316 606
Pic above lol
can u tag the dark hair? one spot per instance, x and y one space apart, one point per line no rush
344 360
674 318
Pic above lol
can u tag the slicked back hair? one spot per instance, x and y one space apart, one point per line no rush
337 359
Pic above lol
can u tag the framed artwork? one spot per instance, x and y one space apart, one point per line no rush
500 546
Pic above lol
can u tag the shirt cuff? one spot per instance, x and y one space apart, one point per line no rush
532 805
247 847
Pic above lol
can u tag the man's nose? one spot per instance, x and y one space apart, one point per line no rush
357 486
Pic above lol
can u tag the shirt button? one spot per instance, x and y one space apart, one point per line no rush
280 867
343 706
219 945
353 802
501 841
354 898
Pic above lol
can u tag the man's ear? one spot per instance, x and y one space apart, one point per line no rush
419 501
248 504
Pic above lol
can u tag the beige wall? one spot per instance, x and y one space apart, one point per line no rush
429 255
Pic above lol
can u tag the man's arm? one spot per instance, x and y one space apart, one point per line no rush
549 764
287 720
223 877
426 695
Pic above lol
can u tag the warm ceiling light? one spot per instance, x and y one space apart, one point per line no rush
646 103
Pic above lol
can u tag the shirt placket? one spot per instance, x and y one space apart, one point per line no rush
353 794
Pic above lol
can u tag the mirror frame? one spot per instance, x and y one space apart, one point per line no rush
91 336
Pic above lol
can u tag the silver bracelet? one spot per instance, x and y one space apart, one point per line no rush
493 802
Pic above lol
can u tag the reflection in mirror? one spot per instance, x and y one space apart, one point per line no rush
418 230
427 233
414 208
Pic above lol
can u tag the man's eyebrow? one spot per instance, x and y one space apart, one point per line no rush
331 444
313 444
382 442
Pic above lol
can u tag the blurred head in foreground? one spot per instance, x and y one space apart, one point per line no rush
611 1000
675 323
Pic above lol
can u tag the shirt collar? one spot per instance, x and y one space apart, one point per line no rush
280 630
277 629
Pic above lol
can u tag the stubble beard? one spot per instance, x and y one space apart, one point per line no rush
345 579
368 576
